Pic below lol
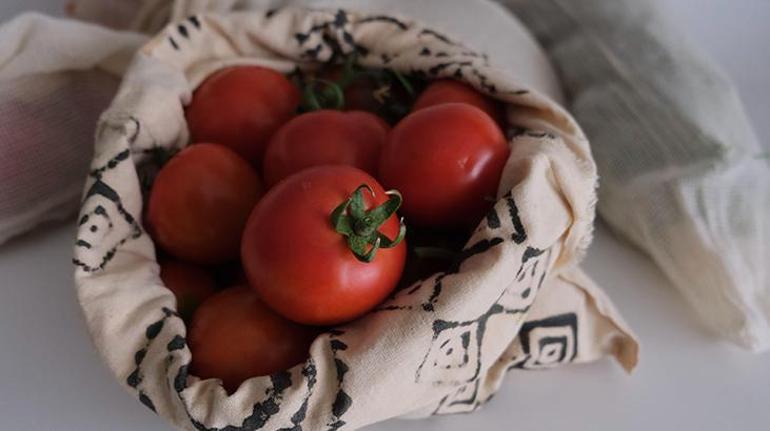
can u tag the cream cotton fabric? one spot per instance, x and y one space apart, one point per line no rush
683 174
56 77
517 299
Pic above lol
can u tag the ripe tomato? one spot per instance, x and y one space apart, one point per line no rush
234 336
299 262
450 91
359 91
190 284
446 160
200 201
325 138
241 107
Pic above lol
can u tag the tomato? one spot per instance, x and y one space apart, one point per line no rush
359 91
241 107
199 203
301 264
190 284
447 161
450 91
383 92
325 138
234 336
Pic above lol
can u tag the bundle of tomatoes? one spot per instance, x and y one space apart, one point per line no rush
276 223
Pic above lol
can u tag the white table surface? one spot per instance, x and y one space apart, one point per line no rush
52 379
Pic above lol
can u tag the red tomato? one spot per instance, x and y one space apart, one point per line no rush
241 107
190 284
301 266
325 138
200 201
450 91
359 94
446 160
234 336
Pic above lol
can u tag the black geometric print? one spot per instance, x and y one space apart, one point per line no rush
310 373
342 401
462 400
387 19
195 21
438 36
330 39
493 220
418 297
144 399
183 31
262 411
546 342
136 377
519 235
538 134
111 164
110 225
456 345
414 297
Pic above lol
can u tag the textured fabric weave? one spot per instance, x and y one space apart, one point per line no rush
517 300
55 79
682 173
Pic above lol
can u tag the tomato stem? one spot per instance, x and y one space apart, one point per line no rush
404 83
361 226
330 97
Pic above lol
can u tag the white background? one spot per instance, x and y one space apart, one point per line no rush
52 379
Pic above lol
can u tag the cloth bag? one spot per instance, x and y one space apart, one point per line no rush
48 67
683 174
443 345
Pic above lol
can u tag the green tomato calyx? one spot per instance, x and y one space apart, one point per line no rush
361 226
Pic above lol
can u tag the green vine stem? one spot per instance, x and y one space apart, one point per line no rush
331 96
361 227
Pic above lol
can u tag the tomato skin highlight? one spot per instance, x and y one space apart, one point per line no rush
189 283
450 91
234 336
325 137
300 266
446 161
199 203
241 107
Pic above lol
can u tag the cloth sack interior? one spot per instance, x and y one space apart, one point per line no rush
517 301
